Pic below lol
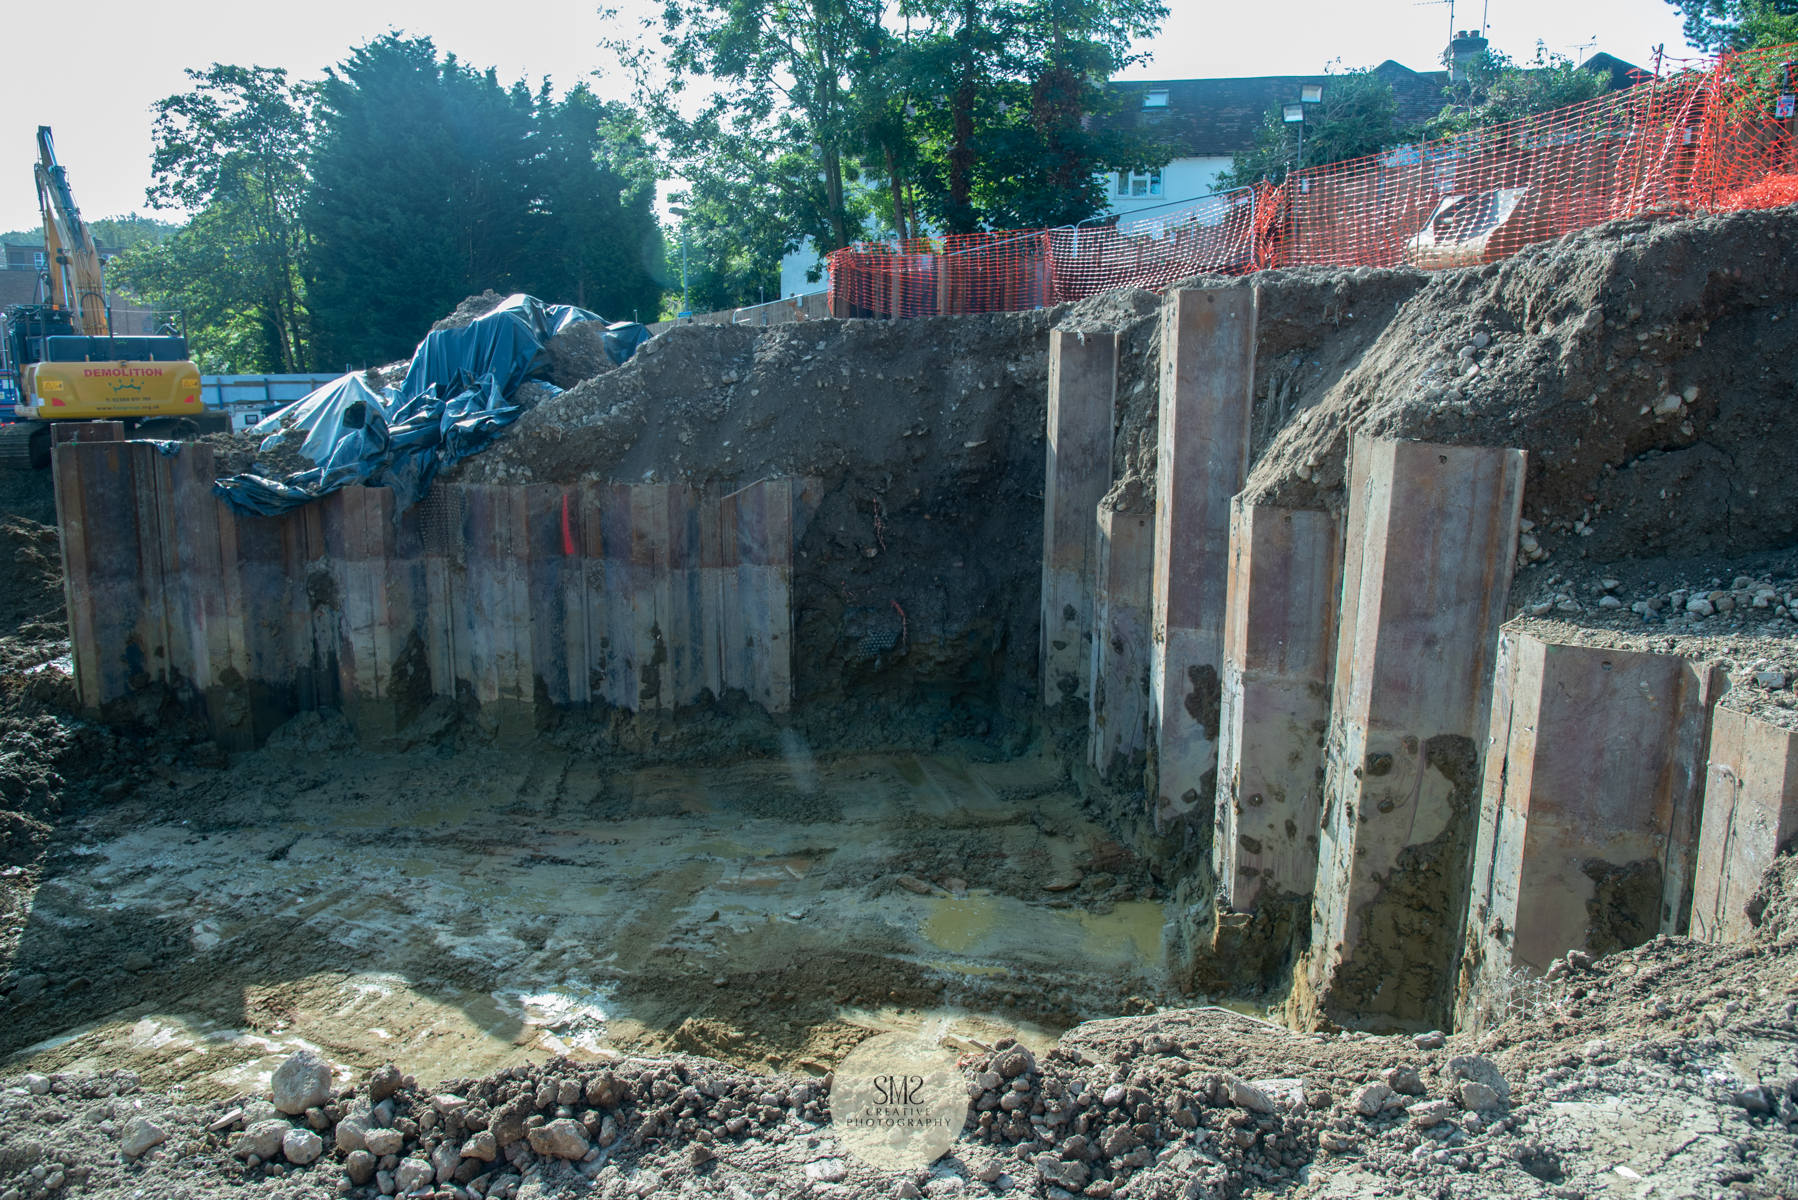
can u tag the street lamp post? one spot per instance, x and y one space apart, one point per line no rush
1294 114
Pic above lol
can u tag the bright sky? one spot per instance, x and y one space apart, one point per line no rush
94 80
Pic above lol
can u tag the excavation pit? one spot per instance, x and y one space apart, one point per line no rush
715 722
500 908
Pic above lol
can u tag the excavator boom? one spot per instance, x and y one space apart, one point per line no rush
73 259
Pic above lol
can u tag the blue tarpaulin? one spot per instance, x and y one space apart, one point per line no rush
452 403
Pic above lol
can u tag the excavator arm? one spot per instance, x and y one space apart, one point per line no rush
76 284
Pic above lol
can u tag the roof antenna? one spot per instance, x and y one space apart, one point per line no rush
1451 13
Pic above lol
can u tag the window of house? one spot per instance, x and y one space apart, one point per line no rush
1139 183
1155 98
38 258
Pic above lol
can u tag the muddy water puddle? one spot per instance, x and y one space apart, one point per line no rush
458 916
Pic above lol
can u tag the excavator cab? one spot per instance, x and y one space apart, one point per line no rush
64 375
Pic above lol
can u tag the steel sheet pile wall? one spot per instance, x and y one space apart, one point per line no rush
644 597
1589 813
1452 804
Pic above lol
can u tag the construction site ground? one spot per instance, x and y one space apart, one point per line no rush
549 936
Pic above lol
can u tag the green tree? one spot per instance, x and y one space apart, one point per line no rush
113 233
785 72
841 116
1006 93
1357 116
1723 25
754 193
597 241
423 190
1498 88
232 150
132 230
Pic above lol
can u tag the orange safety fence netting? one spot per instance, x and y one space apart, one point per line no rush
1710 138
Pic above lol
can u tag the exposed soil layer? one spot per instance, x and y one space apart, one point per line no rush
915 579
1737 614
1647 365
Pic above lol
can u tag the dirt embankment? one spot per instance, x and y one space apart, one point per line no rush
915 578
1646 365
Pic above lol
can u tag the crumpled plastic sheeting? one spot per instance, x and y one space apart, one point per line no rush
508 344
401 438
318 418
378 443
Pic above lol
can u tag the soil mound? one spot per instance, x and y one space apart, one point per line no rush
469 311
1646 364
578 353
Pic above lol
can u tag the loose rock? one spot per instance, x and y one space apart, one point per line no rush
561 1138
301 1146
140 1135
300 1083
263 1140
359 1166
1372 1098
383 1082
1247 1095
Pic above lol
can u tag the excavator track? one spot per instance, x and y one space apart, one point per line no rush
25 445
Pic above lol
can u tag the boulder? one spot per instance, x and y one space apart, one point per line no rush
382 1142
1370 1100
1480 1070
140 1135
359 1166
351 1129
559 1139
445 1160
1477 1096
301 1146
412 1174
1247 1095
263 1139
383 1082
300 1083
1015 1061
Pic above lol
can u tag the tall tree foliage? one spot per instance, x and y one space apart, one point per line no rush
838 118
421 195
1719 25
1002 101
433 180
596 241
785 72
1498 88
232 150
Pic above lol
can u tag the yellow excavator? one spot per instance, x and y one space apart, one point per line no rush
63 358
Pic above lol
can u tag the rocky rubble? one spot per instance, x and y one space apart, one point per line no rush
1740 617
1187 1103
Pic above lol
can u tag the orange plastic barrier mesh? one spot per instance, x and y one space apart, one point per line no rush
1715 137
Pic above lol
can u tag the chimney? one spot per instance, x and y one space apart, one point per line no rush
1462 49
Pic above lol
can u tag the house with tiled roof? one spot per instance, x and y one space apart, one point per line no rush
1206 122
